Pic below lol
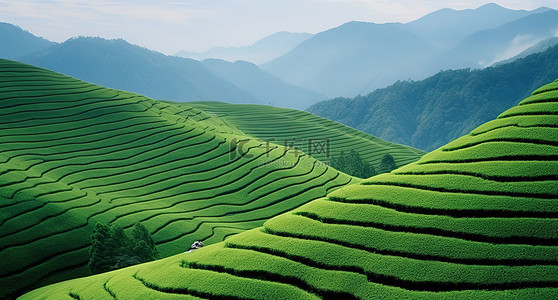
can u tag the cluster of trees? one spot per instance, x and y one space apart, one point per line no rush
112 249
352 164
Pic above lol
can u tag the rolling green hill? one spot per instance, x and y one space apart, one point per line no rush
290 126
73 154
477 218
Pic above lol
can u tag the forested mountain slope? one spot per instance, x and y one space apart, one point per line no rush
427 114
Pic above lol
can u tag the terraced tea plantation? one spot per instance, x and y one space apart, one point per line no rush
73 154
477 218
307 131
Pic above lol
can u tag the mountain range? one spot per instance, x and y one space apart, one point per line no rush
119 64
488 46
445 28
260 52
359 57
263 86
429 113
17 42
352 59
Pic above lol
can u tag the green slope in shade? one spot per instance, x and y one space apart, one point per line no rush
73 154
305 130
477 219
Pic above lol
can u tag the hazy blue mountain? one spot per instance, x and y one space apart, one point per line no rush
447 27
260 52
263 86
492 45
429 113
539 47
17 42
357 57
118 64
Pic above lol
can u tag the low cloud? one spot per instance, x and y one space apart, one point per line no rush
519 44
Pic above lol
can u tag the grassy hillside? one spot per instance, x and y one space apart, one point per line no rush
288 126
428 114
73 154
477 218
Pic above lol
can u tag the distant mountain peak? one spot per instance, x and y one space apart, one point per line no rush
262 51
446 28
491 5
115 63
496 7
283 34
21 42
542 9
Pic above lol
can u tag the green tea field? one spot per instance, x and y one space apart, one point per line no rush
294 127
73 154
474 219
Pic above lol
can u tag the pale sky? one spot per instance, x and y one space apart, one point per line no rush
169 26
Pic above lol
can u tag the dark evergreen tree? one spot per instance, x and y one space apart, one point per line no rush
120 241
102 251
143 243
340 162
387 164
